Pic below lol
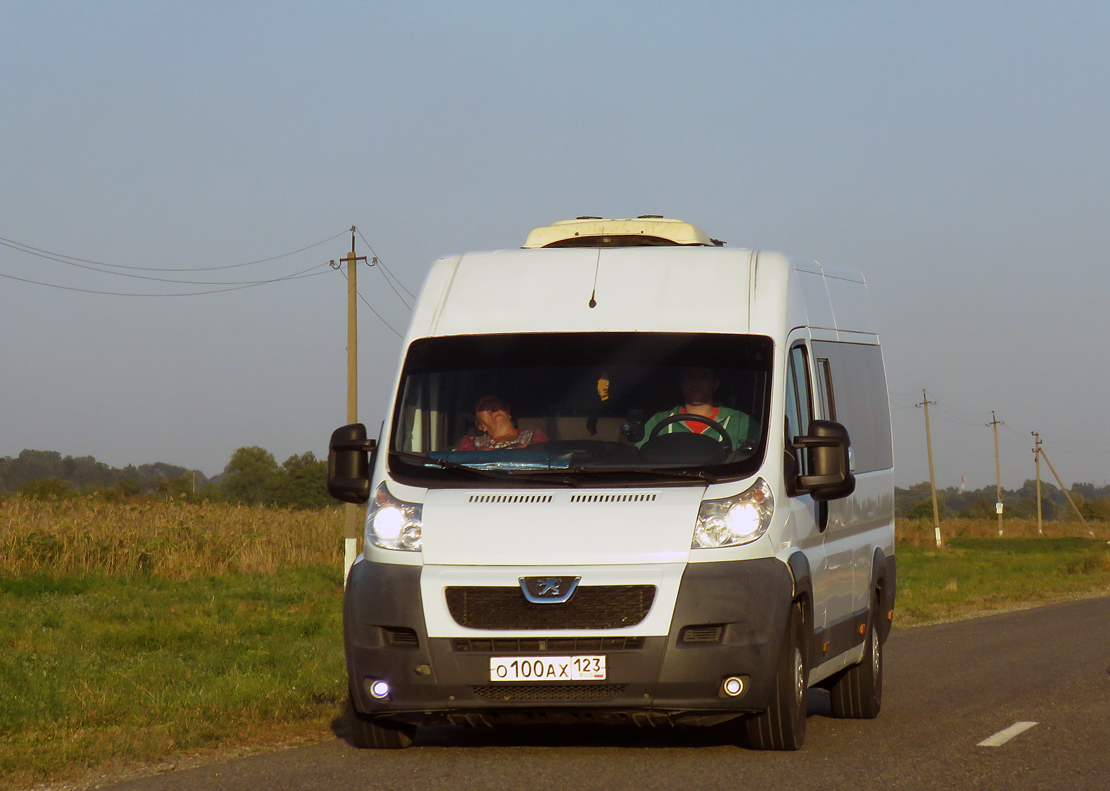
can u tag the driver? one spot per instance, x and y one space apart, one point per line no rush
699 386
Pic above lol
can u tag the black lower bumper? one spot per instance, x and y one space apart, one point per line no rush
738 611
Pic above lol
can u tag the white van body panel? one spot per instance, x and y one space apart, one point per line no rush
550 291
561 527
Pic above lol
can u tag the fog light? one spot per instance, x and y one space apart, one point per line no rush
733 686
377 688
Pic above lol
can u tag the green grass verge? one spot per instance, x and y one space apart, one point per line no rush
102 674
98 673
975 575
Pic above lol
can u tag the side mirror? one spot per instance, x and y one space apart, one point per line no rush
829 475
349 465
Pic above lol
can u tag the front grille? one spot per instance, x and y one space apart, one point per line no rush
591 607
556 645
549 693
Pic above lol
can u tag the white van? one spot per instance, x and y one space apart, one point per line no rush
615 485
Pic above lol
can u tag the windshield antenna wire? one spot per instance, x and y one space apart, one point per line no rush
597 265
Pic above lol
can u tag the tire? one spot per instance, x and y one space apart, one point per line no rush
369 733
858 692
783 725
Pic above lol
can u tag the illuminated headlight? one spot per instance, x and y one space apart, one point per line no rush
735 520
392 523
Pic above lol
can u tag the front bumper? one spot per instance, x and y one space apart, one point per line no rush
741 609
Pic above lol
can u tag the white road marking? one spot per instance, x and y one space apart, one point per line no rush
1004 736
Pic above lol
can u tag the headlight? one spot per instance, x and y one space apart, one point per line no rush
392 523
735 520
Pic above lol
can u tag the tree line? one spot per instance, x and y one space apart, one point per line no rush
251 477
916 502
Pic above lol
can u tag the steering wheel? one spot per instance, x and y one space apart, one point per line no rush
725 441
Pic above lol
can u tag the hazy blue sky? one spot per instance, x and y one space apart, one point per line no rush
957 155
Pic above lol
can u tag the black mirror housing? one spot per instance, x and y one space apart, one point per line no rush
829 476
349 464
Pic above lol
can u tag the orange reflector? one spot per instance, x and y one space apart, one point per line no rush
825 648
862 628
890 615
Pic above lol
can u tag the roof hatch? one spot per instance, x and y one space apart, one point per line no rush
644 231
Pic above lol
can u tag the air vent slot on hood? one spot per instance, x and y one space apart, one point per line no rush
510 499
640 497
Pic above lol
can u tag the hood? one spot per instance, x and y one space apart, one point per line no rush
536 527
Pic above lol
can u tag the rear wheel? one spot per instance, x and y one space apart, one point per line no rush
858 692
783 725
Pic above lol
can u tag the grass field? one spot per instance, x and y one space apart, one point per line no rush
98 673
171 539
135 633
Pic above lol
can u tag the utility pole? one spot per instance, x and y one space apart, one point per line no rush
997 472
1064 490
932 477
350 548
1037 459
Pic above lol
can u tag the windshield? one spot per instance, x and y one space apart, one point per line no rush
581 408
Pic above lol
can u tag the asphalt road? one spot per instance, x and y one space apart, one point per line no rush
947 688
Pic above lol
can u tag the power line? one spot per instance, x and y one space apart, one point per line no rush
300 275
380 318
293 276
92 265
65 259
378 259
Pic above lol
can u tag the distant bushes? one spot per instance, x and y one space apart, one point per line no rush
85 474
252 477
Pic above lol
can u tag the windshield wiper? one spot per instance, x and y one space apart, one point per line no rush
648 471
700 475
444 464
457 466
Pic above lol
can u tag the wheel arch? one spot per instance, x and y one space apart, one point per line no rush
803 594
884 580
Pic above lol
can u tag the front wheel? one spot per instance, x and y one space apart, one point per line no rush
783 725
369 733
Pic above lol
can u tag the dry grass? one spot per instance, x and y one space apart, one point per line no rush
171 539
920 533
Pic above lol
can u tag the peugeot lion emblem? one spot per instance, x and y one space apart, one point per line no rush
548 590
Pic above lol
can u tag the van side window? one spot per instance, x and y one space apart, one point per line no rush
855 373
798 410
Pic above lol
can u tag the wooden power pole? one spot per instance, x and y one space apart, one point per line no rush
1064 490
350 548
1037 459
997 472
932 477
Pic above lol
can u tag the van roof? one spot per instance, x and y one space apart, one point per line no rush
643 231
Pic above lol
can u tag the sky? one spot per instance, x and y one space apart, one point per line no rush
955 153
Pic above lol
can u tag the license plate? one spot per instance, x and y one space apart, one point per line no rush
546 668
